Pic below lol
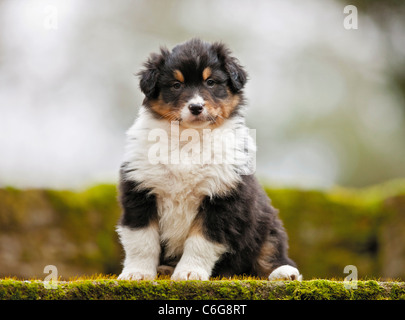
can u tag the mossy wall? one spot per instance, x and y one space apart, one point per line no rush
112 289
329 230
75 231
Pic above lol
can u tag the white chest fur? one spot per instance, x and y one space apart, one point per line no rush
187 171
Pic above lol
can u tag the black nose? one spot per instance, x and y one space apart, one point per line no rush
196 109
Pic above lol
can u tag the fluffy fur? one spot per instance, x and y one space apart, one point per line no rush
190 201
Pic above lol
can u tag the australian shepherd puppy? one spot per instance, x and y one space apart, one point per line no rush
191 205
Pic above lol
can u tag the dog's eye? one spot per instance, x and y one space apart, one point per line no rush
176 86
210 83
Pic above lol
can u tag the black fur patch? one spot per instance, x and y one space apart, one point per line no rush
243 221
138 205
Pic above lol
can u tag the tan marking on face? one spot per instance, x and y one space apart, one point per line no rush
222 110
164 110
178 75
230 104
206 73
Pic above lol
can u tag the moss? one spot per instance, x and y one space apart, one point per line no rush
90 216
333 290
336 228
75 231
317 290
107 289
369 290
397 292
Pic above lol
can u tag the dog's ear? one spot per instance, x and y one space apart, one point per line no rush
150 75
237 75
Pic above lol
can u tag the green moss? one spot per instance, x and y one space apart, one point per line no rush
317 290
106 289
369 290
327 230
397 292
90 216
339 228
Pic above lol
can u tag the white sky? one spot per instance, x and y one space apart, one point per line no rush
59 126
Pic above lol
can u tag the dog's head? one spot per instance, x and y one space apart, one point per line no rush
198 84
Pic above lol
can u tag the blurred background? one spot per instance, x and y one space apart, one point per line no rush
327 102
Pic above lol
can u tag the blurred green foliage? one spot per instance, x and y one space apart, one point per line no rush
62 228
75 231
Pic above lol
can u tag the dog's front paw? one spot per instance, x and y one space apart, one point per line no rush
186 274
136 275
285 272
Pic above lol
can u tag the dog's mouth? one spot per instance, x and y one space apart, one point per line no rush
196 116
201 120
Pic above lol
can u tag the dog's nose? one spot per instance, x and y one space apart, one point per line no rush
196 109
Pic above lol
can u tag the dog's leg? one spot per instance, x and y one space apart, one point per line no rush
273 262
142 251
138 232
198 259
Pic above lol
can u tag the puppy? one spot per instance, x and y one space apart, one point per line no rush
192 208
